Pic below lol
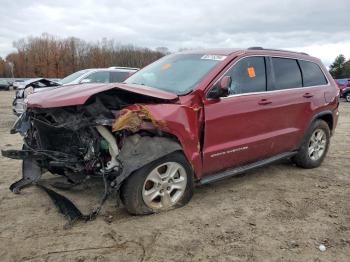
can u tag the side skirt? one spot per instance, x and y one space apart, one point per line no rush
239 170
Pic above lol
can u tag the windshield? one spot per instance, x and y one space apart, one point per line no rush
178 73
73 76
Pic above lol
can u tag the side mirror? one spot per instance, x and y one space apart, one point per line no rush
221 88
86 80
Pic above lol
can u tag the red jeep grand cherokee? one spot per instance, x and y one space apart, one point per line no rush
189 118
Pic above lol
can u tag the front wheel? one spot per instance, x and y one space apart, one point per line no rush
161 185
315 146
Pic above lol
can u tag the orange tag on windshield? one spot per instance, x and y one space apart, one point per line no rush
166 66
251 72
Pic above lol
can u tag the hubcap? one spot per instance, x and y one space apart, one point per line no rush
164 186
317 144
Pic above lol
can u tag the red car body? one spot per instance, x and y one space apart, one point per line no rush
219 134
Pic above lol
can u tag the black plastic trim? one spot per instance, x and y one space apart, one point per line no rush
245 168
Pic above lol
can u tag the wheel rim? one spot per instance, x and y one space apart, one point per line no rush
164 186
317 144
347 98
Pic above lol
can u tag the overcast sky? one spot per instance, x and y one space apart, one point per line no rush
319 27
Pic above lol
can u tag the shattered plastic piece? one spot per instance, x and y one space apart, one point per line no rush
31 173
66 207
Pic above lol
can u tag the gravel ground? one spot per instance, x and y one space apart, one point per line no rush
275 213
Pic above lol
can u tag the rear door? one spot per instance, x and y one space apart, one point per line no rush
294 97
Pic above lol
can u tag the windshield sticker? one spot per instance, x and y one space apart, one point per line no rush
166 66
251 72
214 57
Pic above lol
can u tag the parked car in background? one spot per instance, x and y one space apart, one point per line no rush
27 88
10 83
194 117
17 83
99 75
4 85
342 83
345 91
86 76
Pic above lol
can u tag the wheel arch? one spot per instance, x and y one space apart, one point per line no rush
326 116
139 151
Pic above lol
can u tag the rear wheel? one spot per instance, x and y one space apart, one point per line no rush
161 185
315 146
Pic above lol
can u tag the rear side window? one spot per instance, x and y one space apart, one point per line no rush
119 76
312 74
287 73
248 75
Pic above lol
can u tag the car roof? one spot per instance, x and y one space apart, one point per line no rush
217 51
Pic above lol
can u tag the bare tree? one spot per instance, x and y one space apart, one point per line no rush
49 56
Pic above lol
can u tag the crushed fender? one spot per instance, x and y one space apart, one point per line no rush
132 119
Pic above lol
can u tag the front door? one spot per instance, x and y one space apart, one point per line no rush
239 128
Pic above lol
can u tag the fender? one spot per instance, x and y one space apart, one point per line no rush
180 121
322 114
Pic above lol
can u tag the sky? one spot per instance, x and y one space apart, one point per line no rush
318 27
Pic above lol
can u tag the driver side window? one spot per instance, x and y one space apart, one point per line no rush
98 77
248 75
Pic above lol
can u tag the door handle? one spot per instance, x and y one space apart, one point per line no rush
264 102
308 95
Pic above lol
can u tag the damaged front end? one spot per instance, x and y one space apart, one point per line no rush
109 136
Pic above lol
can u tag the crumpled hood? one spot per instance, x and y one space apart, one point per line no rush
79 94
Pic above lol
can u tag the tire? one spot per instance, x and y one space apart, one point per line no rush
137 190
314 146
347 97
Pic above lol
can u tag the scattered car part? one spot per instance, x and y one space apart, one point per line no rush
27 88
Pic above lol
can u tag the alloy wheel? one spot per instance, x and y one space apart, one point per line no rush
317 144
164 186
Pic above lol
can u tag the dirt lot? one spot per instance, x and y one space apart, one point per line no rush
277 213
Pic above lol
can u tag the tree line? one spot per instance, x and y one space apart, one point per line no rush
340 68
52 57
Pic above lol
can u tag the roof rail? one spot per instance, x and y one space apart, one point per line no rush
123 67
269 49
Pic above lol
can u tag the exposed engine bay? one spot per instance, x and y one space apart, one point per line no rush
108 137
